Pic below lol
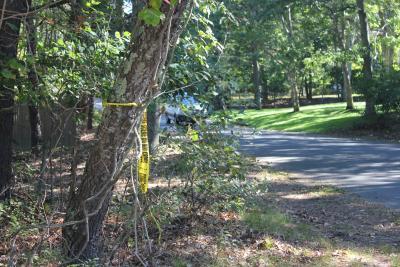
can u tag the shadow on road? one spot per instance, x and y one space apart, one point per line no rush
369 169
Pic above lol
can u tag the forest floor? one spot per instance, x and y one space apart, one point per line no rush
292 224
332 119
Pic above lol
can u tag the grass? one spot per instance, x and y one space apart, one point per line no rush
312 119
272 221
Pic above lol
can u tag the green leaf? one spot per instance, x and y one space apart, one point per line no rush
151 16
72 54
6 73
14 64
60 42
156 4
117 35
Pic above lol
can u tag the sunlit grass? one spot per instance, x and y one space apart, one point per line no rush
313 119
276 223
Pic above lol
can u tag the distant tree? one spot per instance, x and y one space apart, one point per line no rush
367 65
12 12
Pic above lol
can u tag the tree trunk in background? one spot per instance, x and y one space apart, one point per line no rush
137 82
340 29
387 49
34 79
295 96
338 69
257 81
90 110
367 65
292 75
76 18
153 123
308 84
264 87
265 94
9 34
347 86
219 102
117 18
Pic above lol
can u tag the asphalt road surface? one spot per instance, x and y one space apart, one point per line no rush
370 169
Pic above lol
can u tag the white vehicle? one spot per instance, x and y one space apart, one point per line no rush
183 112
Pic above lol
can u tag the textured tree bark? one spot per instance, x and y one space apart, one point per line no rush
309 88
153 122
367 65
33 77
347 86
90 110
9 34
257 82
136 82
340 33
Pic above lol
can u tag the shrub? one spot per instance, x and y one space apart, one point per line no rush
384 88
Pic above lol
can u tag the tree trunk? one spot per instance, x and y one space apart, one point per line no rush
367 65
387 49
117 18
264 87
9 34
136 82
308 83
153 122
265 93
257 81
34 79
90 107
388 57
292 75
347 86
340 29
295 96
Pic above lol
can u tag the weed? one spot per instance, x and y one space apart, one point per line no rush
395 260
273 222
179 263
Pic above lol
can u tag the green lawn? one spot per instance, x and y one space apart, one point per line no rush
313 119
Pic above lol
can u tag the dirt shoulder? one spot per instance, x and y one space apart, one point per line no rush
345 219
292 224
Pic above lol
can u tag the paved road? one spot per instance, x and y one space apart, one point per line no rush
370 169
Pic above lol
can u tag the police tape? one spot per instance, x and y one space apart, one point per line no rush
143 168
144 161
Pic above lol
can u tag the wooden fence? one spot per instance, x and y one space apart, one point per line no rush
58 127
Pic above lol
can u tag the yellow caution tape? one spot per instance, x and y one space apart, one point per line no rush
144 161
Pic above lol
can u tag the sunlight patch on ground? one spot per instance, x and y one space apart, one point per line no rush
308 196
